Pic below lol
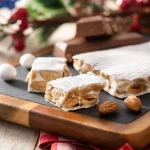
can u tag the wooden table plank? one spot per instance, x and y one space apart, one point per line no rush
17 137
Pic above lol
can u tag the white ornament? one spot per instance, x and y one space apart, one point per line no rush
26 60
7 71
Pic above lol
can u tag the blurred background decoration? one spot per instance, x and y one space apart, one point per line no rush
28 24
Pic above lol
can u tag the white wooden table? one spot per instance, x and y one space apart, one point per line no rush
17 137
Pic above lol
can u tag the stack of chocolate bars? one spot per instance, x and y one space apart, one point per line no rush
97 33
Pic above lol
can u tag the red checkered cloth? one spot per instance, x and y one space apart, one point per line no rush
49 141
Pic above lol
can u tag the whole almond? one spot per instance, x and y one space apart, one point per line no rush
38 85
108 107
133 103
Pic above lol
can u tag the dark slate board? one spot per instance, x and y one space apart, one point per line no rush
18 88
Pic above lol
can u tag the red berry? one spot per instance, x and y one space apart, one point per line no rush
17 35
12 18
23 25
135 26
19 44
125 4
135 16
78 9
143 2
19 14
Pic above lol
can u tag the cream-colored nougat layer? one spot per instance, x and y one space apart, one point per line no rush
71 93
45 69
125 70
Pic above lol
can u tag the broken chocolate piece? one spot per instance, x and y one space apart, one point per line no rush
99 26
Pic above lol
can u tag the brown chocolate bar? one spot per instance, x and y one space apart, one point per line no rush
99 26
80 45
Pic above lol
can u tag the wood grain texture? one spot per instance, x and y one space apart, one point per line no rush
15 111
17 137
91 130
76 126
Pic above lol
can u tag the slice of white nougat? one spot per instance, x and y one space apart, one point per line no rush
125 70
45 69
71 93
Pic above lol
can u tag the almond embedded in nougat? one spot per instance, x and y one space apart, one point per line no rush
70 102
90 99
50 75
137 88
32 75
38 85
133 103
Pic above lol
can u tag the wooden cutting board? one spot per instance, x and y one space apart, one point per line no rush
95 131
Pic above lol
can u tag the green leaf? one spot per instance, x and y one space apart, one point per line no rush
96 7
51 3
72 2
41 10
45 32
4 35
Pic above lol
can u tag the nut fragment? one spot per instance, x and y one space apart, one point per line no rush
69 57
133 103
97 72
48 95
90 99
124 84
122 87
96 87
119 91
108 107
77 64
70 102
66 71
50 75
86 68
136 88
32 75
38 85
104 75
82 91
140 81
